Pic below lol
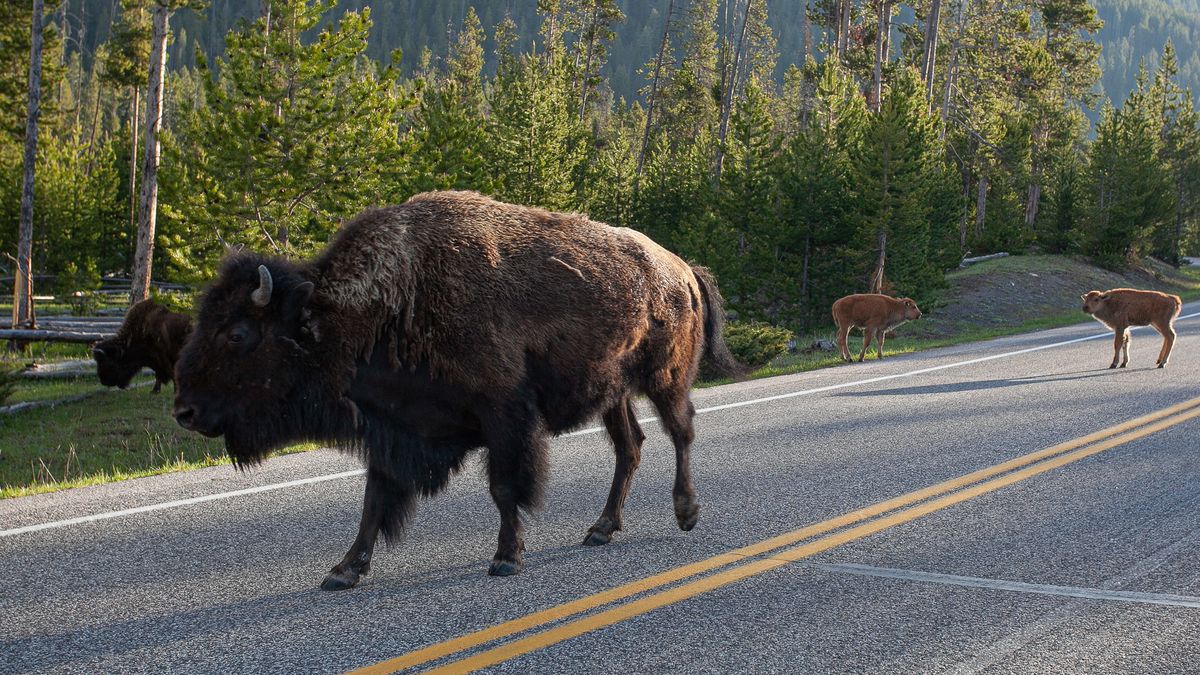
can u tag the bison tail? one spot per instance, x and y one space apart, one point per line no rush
715 350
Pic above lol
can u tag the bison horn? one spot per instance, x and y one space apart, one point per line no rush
262 295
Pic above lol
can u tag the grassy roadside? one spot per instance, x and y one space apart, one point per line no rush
114 435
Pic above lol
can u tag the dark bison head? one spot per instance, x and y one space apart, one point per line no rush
114 364
247 372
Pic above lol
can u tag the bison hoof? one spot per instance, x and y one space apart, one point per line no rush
1162 365
1112 366
505 568
596 538
1123 365
687 512
340 580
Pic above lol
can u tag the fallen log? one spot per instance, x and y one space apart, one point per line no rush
34 335
981 258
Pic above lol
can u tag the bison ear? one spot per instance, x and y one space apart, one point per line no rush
297 298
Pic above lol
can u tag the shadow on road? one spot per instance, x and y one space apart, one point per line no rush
976 385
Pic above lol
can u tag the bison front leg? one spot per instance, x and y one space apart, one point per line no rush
1120 340
517 449
627 438
386 505
879 335
867 334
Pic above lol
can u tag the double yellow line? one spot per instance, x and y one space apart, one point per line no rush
881 516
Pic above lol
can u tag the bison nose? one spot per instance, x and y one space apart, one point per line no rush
185 415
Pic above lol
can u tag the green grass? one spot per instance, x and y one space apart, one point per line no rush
111 435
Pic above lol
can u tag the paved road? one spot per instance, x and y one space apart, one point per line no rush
1084 557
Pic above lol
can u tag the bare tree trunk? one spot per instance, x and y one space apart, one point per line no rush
727 103
134 107
952 72
1033 196
144 257
962 217
876 96
806 31
804 280
844 29
587 66
929 58
981 202
880 263
22 313
662 48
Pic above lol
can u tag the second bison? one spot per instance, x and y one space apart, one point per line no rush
1121 308
449 323
876 314
150 337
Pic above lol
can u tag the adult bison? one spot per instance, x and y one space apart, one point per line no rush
449 323
150 337
1121 308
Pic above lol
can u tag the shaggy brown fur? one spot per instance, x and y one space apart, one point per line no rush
876 314
1121 308
150 337
449 323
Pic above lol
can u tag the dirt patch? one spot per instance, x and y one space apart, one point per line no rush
1013 291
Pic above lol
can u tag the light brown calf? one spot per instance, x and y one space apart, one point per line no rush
1121 308
876 314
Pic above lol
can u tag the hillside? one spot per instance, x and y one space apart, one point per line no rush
1133 30
1020 290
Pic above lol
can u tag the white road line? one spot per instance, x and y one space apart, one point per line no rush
581 432
179 502
1015 586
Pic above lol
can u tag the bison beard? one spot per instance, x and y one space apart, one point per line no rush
451 323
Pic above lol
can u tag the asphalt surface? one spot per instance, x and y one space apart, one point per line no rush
1092 566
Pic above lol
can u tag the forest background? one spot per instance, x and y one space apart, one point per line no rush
802 150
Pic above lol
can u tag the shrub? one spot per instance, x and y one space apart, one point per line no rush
175 301
755 343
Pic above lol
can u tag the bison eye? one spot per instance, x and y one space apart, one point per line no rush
241 336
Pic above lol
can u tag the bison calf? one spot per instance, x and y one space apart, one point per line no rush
1121 308
876 314
151 336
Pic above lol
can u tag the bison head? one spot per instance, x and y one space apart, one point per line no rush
248 370
115 366
911 313
1092 301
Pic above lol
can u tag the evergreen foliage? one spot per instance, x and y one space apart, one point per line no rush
278 130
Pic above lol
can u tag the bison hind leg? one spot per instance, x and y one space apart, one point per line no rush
676 412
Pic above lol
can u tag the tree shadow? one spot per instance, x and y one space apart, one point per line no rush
977 385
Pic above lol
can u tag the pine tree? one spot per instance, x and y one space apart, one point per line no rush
748 207
535 139
448 137
894 171
1130 183
294 134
